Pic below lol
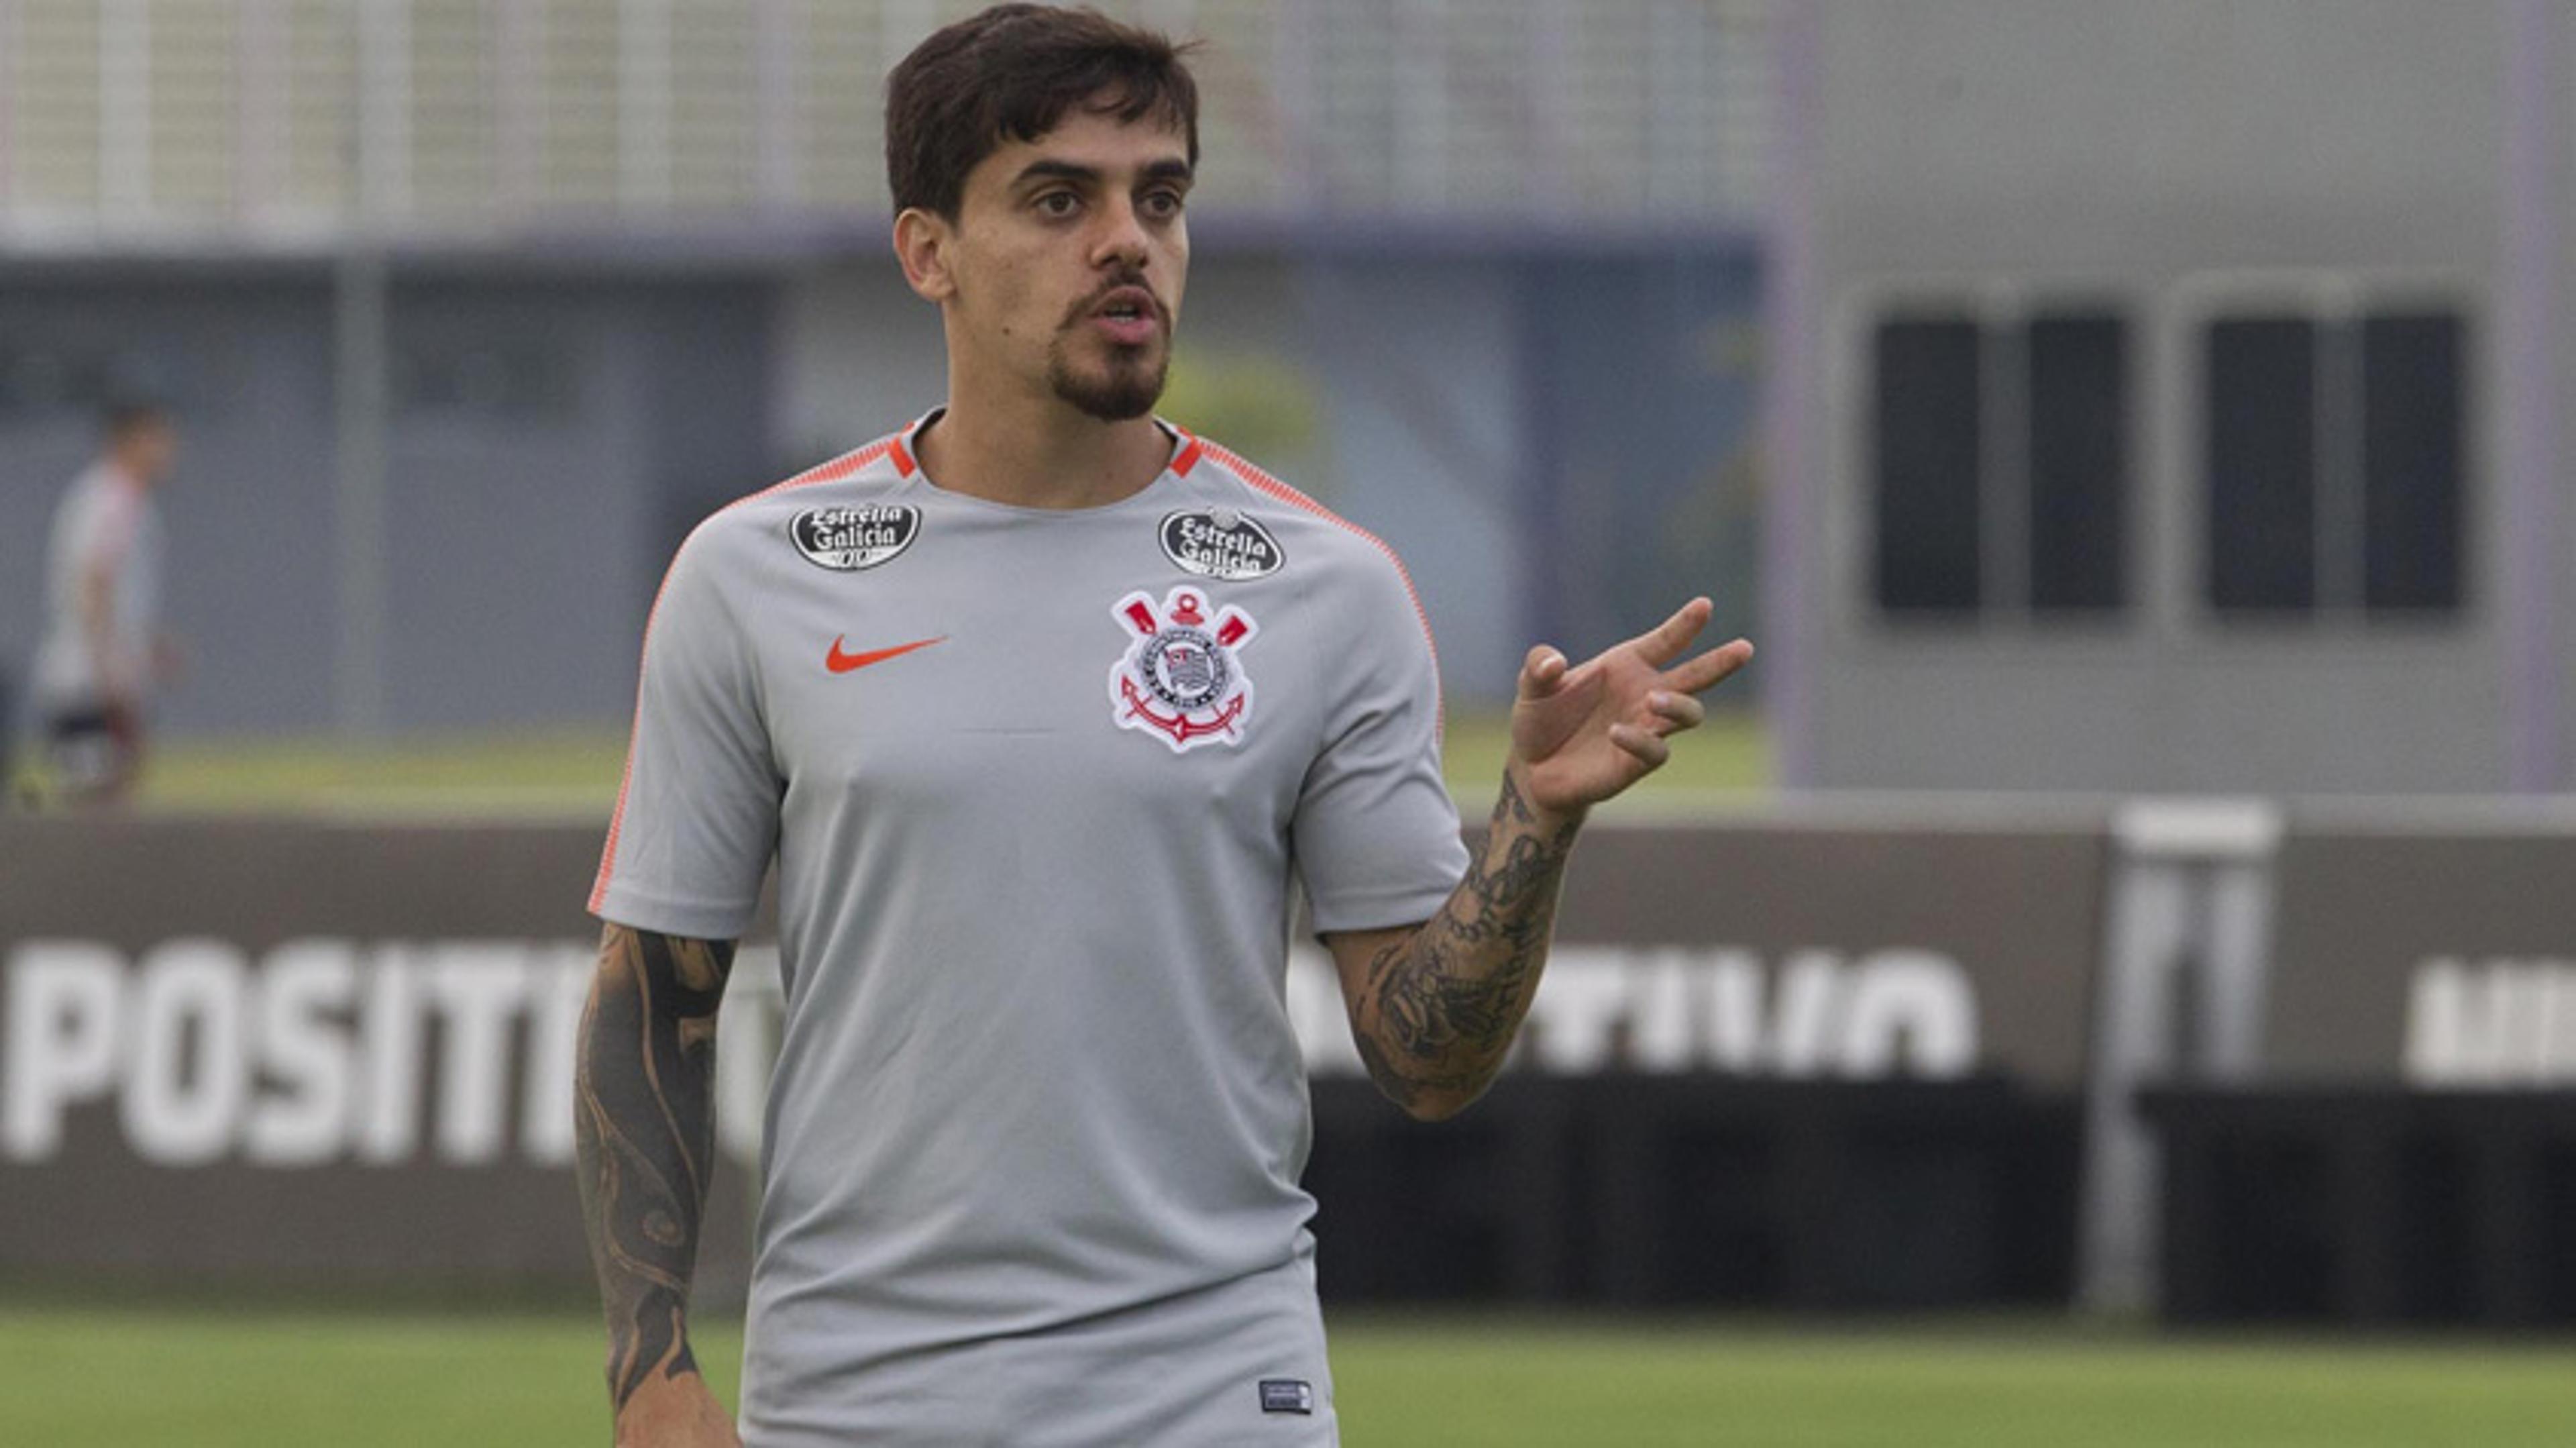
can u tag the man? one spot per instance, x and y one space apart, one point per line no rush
1040 704
103 651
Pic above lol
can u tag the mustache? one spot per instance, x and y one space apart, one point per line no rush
1078 311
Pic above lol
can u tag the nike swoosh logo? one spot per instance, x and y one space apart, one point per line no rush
840 662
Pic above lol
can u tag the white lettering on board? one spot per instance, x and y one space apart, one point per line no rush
322 1051
1896 1012
2491 1023
386 1053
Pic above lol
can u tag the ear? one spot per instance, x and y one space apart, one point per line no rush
925 242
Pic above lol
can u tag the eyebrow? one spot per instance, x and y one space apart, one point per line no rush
1164 170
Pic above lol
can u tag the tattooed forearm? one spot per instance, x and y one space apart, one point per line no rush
1440 1007
645 1126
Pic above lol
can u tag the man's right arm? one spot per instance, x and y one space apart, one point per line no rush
645 1126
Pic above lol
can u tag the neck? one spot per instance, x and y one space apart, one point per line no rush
1036 452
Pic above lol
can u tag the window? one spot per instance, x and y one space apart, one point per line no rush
1999 465
2078 464
2332 456
2410 462
500 382
2262 464
1929 466
51 382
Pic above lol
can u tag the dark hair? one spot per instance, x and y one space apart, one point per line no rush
1009 74
126 416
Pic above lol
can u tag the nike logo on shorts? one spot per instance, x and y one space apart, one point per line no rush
841 662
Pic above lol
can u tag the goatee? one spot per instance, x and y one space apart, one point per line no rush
1128 388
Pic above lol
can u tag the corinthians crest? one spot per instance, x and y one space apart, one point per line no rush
1181 677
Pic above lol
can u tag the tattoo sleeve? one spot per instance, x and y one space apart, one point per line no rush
644 1102
1440 1007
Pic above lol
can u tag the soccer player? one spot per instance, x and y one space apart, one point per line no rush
103 650
1044 708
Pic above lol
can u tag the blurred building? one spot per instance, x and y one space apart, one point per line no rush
470 308
2181 384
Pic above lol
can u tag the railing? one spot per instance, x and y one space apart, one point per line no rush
290 123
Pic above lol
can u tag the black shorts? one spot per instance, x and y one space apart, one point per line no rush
71 726
86 746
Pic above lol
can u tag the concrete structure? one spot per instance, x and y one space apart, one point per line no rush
2161 169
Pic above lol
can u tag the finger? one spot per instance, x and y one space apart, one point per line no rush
1673 713
1648 746
1541 672
1701 673
1665 641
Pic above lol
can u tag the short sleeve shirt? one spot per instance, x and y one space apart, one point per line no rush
105 524
1041 787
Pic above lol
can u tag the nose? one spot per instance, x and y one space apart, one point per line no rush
1122 237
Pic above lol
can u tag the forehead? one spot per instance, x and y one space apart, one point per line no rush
1090 139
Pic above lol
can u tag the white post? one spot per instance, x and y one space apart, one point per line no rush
518 32
124 110
384 111
779 41
2532 470
260 112
644 105
1792 404
2185 975
1555 137
9 82
360 368
1420 105
1296 151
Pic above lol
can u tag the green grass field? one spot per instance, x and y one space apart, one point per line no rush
78 1377
574 774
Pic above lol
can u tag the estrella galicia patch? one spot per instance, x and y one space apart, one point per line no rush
1220 543
846 540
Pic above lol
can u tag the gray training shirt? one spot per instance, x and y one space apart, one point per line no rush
1037 783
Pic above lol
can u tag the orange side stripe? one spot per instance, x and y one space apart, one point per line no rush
1263 482
833 471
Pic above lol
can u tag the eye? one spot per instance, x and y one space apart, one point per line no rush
1162 205
1057 203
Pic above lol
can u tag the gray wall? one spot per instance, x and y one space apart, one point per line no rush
528 541
2167 156
552 438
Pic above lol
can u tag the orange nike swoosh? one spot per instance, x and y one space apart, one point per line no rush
842 663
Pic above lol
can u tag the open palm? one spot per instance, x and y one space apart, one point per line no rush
1582 733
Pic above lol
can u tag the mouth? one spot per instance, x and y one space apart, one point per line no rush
1129 315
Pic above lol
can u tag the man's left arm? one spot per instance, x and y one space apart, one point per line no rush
1435 1006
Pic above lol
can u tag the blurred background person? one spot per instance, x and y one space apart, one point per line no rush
103 652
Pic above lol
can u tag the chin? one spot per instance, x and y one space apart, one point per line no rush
1120 392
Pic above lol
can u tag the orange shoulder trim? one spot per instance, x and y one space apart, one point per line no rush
1262 482
845 466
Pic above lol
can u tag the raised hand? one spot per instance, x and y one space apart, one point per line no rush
1582 733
